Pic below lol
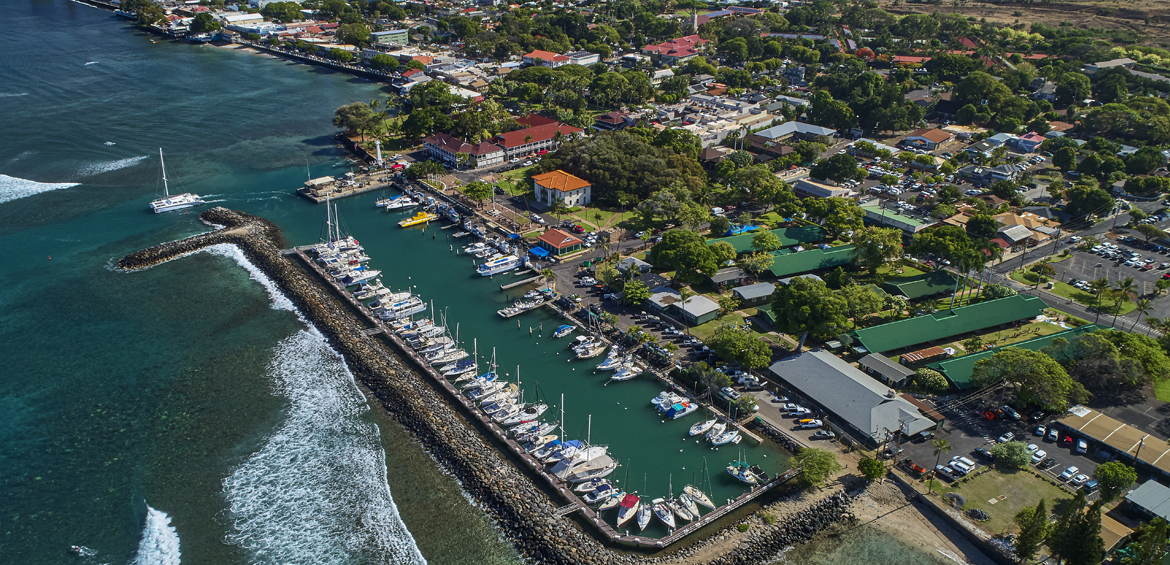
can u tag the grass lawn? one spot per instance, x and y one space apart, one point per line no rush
1069 291
887 272
1019 489
1162 390
589 214
1012 335
707 331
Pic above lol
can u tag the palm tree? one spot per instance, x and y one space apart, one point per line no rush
1123 292
1098 287
548 275
1144 306
941 447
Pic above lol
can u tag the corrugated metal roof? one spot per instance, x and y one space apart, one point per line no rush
811 260
947 323
918 286
959 369
788 236
1153 497
757 290
1121 437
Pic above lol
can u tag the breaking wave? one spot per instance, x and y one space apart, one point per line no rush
160 541
316 491
12 188
12 94
99 168
279 300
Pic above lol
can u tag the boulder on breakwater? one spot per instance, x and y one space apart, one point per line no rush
520 508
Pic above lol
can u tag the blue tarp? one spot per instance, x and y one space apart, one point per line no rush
514 235
737 229
539 251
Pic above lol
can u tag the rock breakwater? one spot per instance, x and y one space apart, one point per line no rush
520 508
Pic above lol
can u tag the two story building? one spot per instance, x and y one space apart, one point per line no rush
561 186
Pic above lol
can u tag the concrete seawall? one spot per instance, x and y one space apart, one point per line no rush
523 511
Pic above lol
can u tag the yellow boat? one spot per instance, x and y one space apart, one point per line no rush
419 218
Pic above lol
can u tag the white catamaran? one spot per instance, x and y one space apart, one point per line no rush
170 203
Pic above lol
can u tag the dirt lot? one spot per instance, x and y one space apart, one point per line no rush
1101 15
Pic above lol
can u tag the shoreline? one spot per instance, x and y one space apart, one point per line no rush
519 507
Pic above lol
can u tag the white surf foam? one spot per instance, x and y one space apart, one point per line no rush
160 541
99 168
90 63
11 94
316 491
12 188
279 300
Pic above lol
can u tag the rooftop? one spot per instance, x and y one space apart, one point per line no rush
958 370
933 134
753 291
560 180
788 237
1152 497
1121 437
559 239
811 260
864 403
948 323
918 286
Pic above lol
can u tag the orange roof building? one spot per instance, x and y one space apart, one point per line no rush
559 185
545 59
558 242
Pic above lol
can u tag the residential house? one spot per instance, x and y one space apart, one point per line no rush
786 130
698 310
564 187
728 276
583 58
557 242
928 139
754 294
1029 142
545 59
1046 91
1092 68
613 121
807 188
660 75
633 265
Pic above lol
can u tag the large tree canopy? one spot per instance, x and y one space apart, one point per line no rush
807 304
620 162
1038 378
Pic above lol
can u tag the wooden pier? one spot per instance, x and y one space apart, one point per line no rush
520 283
573 503
517 313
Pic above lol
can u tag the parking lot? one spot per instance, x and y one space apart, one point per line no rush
967 431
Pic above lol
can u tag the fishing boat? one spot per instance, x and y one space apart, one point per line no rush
613 362
563 330
702 427
169 203
498 264
628 509
730 436
627 372
419 218
663 512
742 472
612 502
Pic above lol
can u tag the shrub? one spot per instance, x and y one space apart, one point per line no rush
744 527
1011 455
769 518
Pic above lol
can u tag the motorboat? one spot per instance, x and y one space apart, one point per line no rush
666 399
547 450
702 427
401 326
697 495
481 380
612 502
498 264
402 309
433 345
401 203
570 466
581 340
628 508
681 409
663 512
369 290
731 436
603 492
590 486
358 277
564 330
591 351
567 449
613 362
481 392
389 298
170 203
540 442
449 356
419 218
457 368
717 429
545 428
627 372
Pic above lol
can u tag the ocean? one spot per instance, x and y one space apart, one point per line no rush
187 413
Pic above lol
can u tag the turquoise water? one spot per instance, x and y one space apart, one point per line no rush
188 404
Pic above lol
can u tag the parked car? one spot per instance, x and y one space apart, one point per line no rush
1007 437
1082 446
826 434
810 424
1038 456
1069 473
1053 434
984 453
1080 479
730 393
1011 412
1091 487
1040 430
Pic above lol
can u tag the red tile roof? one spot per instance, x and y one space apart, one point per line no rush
933 134
681 47
559 239
539 133
546 56
561 181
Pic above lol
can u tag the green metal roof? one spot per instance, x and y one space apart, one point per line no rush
948 323
918 286
895 215
788 237
811 260
959 369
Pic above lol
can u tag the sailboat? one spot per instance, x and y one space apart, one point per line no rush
742 471
702 427
644 511
170 203
663 512
677 508
628 508
697 495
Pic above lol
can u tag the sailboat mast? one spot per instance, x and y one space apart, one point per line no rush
163 164
589 431
562 414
